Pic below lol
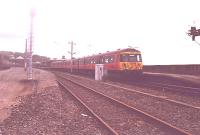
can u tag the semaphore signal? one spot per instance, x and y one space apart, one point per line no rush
193 32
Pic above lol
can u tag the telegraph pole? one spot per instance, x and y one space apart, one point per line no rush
71 53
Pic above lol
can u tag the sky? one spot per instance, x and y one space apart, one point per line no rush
156 27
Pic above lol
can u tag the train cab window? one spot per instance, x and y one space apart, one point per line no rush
139 58
124 58
130 58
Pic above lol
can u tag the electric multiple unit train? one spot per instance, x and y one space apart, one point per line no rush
122 62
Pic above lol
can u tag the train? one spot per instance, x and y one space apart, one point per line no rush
126 61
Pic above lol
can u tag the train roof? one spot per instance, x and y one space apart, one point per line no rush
114 52
100 54
124 50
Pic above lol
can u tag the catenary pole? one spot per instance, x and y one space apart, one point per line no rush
25 58
71 53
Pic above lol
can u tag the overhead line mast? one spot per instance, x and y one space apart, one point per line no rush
71 53
25 57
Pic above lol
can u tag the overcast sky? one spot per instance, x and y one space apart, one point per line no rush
156 27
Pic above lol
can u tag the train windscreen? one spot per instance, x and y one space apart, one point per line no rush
130 58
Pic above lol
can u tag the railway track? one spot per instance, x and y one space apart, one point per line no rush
170 87
162 82
171 90
109 104
161 95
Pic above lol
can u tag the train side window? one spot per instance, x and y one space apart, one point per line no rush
93 61
97 61
111 59
87 60
90 61
106 60
84 60
80 61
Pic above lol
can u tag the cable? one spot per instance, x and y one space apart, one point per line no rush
197 42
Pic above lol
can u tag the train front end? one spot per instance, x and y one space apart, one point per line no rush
130 62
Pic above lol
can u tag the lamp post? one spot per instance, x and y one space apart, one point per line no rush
30 72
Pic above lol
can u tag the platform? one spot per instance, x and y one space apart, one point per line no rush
190 78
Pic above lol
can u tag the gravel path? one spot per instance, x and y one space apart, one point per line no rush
44 109
47 113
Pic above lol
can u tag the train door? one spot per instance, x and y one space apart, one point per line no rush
101 60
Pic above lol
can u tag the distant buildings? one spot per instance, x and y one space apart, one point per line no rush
18 59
